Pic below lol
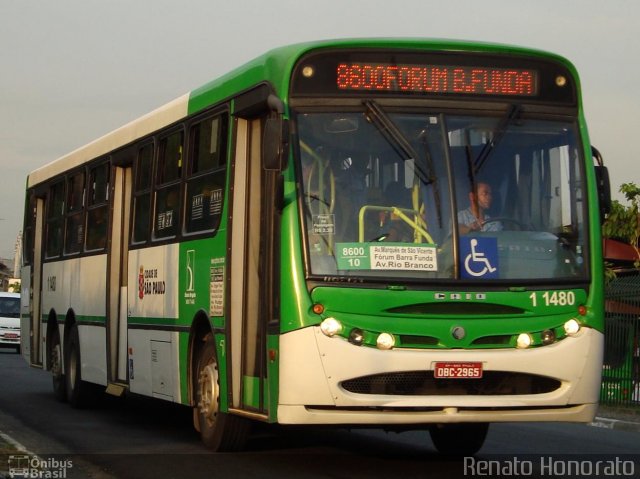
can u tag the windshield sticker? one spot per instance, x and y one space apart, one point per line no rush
215 206
324 224
479 257
386 256
197 207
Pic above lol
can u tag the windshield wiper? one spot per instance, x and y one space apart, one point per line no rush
376 115
498 134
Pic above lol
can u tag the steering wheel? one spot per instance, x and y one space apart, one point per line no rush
505 219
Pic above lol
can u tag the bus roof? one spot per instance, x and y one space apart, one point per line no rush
274 67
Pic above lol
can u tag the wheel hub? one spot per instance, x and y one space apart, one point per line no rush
56 361
209 392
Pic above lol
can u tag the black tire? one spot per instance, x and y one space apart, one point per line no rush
55 361
221 432
77 390
459 439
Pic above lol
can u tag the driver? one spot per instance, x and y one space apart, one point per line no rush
475 218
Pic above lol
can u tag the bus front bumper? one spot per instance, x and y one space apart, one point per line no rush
313 368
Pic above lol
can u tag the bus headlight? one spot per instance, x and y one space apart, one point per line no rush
524 340
385 341
571 327
330 327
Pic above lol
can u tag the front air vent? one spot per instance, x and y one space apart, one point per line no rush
422 383
497 341
408 341
457 308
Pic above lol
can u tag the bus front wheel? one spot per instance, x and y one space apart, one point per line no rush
459 439
219 431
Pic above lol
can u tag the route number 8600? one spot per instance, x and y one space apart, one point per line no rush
353 251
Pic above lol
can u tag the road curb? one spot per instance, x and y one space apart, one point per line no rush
617 424
20 450
86 468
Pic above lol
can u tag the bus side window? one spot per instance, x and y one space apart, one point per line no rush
170 158
55 220
29 229
205 184
74 235
142 194
98 212
167 211
167 199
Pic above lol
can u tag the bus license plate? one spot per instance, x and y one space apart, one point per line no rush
446 370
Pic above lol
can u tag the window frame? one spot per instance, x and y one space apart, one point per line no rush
163 189
74 216
51 218
94 205
207 174
142 191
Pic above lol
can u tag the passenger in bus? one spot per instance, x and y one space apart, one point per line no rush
391 227
475 218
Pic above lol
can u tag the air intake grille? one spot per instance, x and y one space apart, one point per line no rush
422 383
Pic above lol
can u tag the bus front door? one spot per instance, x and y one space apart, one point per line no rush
253 287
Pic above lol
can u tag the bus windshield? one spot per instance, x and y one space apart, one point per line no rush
408 195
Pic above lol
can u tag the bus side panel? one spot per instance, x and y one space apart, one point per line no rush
87 279
153 285
303 379
153 363
55 294
153 323
201 289
66 290
93 353
54 300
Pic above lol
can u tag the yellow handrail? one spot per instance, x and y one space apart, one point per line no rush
400 213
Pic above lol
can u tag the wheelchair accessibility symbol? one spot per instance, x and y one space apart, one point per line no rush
479 257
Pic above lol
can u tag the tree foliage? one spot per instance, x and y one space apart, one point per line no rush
623 222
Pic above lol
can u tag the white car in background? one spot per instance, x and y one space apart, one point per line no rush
10 320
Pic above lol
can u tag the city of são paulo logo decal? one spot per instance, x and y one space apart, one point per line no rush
141 283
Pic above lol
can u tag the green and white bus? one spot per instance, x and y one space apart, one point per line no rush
285 244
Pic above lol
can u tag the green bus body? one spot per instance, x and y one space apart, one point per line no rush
177 290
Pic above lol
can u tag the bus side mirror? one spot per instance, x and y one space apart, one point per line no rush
275 142
603 185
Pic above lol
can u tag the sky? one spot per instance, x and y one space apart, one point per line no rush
73 70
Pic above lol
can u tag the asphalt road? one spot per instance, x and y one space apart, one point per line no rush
142 438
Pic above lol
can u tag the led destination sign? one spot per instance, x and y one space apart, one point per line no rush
431 75
381 77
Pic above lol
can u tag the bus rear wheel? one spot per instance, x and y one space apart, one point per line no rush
55 360
221 432
76 389
459 439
